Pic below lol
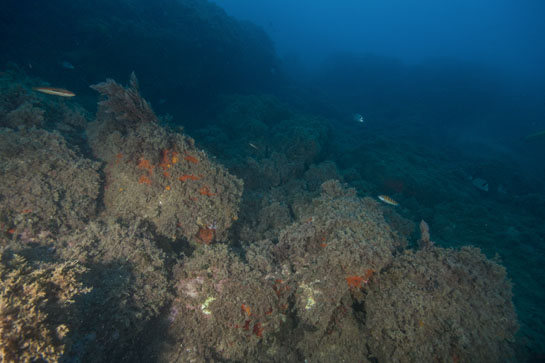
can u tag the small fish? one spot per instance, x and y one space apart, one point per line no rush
480 184
67 65
388 200
55 91
252 145
357 117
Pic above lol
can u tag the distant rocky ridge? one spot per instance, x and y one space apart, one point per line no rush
185 52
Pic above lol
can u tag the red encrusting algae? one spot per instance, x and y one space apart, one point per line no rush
206 191
206 235
174 157
168 157
188 177
258 329
146 165
245 309
368 275
144 180
355 282
191 159
279 287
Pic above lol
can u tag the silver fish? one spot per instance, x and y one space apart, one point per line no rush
357 117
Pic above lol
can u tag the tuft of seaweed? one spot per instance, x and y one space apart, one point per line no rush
425 240
125 103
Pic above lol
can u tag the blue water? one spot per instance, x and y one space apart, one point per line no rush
438 105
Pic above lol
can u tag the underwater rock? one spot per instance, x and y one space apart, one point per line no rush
340 236
441 304
37 308
21 106
325 260
26 115
45 185
284 143
128 274
222 309
158 175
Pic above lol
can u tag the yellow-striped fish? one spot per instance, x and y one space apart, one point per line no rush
55 91
388 200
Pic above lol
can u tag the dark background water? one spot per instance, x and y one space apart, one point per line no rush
504 34
448 91
472 69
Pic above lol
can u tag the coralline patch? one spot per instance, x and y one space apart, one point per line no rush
36 308
158 175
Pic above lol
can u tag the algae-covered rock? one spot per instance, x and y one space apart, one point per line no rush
265 142
339 243
21 106
35 308
223 308
159 175
45 185
128 274
441 305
